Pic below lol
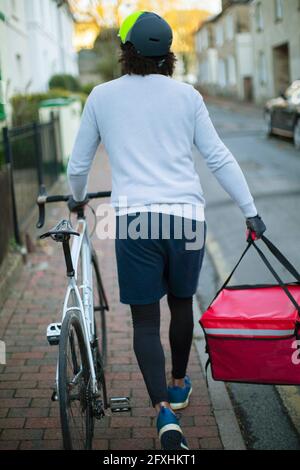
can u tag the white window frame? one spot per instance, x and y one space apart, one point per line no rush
15 13
262 68
205 38
259 17
42 11
278 5
220 35
229 27
19 64
231 69
222 78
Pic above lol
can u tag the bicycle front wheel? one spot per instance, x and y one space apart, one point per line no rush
74 386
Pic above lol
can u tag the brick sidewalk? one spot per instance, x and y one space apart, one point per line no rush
28 418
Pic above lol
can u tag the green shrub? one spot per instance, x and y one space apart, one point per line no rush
87 88
26 107
64 81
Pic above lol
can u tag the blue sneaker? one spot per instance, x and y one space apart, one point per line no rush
169 431
179 396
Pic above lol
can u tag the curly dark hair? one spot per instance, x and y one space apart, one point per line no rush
134 63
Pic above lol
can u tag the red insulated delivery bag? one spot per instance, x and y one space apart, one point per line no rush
253 331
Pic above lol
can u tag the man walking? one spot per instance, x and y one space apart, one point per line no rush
148 123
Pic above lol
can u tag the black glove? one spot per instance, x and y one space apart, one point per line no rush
75 205
256 226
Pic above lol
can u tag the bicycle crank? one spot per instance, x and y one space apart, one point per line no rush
98 410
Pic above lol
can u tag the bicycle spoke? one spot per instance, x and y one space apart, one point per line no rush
75 419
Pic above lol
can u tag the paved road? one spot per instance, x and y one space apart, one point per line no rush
272 169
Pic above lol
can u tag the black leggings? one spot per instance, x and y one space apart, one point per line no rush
148 348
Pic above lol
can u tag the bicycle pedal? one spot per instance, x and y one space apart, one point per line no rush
54 396
53 333
119 404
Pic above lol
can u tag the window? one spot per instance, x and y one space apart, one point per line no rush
198 42
262 68
222 73
204 39
259 17
14 9
42 12
204 71
19 65
219 35
231 70
229 27
278 10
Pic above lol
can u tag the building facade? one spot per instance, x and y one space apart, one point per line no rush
224 49
52 29
276 46
35 43
14 63
207 57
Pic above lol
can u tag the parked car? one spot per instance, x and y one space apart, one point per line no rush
282 114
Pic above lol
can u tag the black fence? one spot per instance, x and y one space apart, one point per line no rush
6 226
33 156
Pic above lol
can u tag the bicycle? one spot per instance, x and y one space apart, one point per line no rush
80 386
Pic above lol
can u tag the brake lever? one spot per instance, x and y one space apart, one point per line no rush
41 200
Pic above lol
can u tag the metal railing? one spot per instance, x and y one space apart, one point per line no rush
32 153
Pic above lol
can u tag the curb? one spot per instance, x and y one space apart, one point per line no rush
227 423
289 395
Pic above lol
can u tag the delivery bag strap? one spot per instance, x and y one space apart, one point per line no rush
281 258
249 243
277 277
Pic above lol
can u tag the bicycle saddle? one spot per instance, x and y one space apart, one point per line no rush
61 232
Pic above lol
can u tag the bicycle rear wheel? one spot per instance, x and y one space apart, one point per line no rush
74 386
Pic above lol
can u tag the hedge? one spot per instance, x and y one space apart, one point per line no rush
65 82
26 107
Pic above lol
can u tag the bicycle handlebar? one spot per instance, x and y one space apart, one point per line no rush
43 199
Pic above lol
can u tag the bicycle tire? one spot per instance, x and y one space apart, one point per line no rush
71 325
100 301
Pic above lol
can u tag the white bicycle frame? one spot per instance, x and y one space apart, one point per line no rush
82 302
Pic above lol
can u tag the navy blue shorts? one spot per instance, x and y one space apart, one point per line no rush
153 259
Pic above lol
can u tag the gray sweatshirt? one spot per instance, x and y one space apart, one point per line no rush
148 126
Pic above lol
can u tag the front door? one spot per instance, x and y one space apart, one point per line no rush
248 89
